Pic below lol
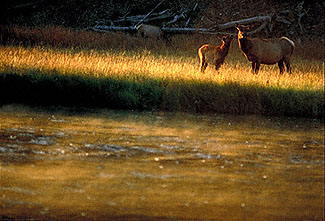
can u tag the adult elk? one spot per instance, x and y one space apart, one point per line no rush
214 55
265 51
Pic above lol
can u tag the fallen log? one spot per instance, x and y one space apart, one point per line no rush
263 25
104 28
214 30
184 30
247 21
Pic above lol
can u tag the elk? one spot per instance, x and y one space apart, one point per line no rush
149 31
214 55
265 51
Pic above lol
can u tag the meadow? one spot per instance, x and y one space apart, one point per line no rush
63 67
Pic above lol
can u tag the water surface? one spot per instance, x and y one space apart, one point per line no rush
100 164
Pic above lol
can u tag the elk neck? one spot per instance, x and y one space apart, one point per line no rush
224 47
244 44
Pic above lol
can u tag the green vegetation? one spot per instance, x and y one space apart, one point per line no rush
56 66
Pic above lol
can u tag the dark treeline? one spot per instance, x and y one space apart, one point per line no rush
291 18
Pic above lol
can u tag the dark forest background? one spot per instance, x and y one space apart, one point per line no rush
292 18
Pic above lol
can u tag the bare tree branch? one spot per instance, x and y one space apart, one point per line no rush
149 13
247 21
263 25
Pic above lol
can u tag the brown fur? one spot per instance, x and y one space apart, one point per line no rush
214 54
149 31
266 51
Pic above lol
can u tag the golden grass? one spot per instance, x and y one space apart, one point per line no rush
307 74
57 66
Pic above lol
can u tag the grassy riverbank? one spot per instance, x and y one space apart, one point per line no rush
123 73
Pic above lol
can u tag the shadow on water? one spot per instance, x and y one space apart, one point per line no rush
102 164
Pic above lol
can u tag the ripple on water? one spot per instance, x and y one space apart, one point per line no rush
171 147
6 150
106 147
19 190
146 149
206 156
15 148
44 141
143 175
120 149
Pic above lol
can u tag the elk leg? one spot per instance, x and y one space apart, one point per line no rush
281 66
288 66
253 66
203 66
257 67
218 66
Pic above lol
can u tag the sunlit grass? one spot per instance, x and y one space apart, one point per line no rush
58 66
307 74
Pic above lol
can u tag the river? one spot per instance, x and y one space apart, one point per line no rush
67 164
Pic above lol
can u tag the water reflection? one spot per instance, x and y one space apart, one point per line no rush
130 165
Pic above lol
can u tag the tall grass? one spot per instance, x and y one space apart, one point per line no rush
144 77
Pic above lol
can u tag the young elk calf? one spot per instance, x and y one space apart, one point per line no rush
214 55
266 51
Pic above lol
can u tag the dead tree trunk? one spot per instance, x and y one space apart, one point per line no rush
263 19
216 30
